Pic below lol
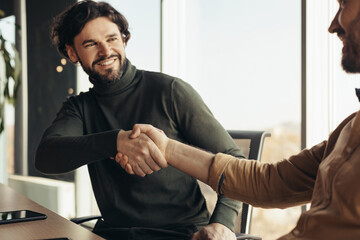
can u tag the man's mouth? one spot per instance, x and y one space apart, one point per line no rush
107 62
342 37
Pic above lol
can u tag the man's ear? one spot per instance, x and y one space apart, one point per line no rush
123 41
72 53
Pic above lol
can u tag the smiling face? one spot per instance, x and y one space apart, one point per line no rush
347 26
100 49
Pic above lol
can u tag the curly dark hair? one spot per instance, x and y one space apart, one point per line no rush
70 23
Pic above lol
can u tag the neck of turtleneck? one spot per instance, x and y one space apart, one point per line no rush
126 81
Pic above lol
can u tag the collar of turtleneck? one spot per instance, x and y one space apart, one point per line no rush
125 82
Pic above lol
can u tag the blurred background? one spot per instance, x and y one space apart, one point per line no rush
259 65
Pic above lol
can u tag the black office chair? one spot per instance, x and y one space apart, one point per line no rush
251 143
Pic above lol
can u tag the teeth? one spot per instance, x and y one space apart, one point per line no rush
107 62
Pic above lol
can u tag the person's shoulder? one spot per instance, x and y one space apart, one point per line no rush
80 98
157 76
350 118
164 79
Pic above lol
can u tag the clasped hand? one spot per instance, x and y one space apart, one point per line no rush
142 150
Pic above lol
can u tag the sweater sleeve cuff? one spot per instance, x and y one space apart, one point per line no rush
108 141
225 212
217 169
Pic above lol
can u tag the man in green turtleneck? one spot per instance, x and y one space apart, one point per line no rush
91 128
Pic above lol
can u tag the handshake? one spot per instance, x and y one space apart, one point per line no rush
146 149
142 150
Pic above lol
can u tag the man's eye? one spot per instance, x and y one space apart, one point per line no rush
112 39
89 45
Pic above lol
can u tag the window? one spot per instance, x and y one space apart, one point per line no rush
143 48
243 57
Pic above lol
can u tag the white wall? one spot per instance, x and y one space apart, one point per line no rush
330 91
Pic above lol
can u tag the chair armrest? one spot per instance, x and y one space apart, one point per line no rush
243 236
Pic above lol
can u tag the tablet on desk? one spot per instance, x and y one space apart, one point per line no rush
20 216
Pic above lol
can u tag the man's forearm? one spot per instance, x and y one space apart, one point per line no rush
190 160
60 154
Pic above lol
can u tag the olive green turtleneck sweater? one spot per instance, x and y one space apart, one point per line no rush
85 131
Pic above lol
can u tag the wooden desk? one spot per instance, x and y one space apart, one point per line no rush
54 226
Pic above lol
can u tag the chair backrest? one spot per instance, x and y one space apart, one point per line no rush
251 143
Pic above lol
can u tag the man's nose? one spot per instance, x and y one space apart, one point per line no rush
104 49
335 26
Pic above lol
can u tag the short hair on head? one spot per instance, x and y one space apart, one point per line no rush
70 23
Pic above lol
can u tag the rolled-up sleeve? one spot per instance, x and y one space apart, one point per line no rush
217 169
280 185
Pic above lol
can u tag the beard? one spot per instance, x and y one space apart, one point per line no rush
110 76
351 51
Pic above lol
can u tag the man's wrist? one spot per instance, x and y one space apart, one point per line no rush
118 139
169 150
